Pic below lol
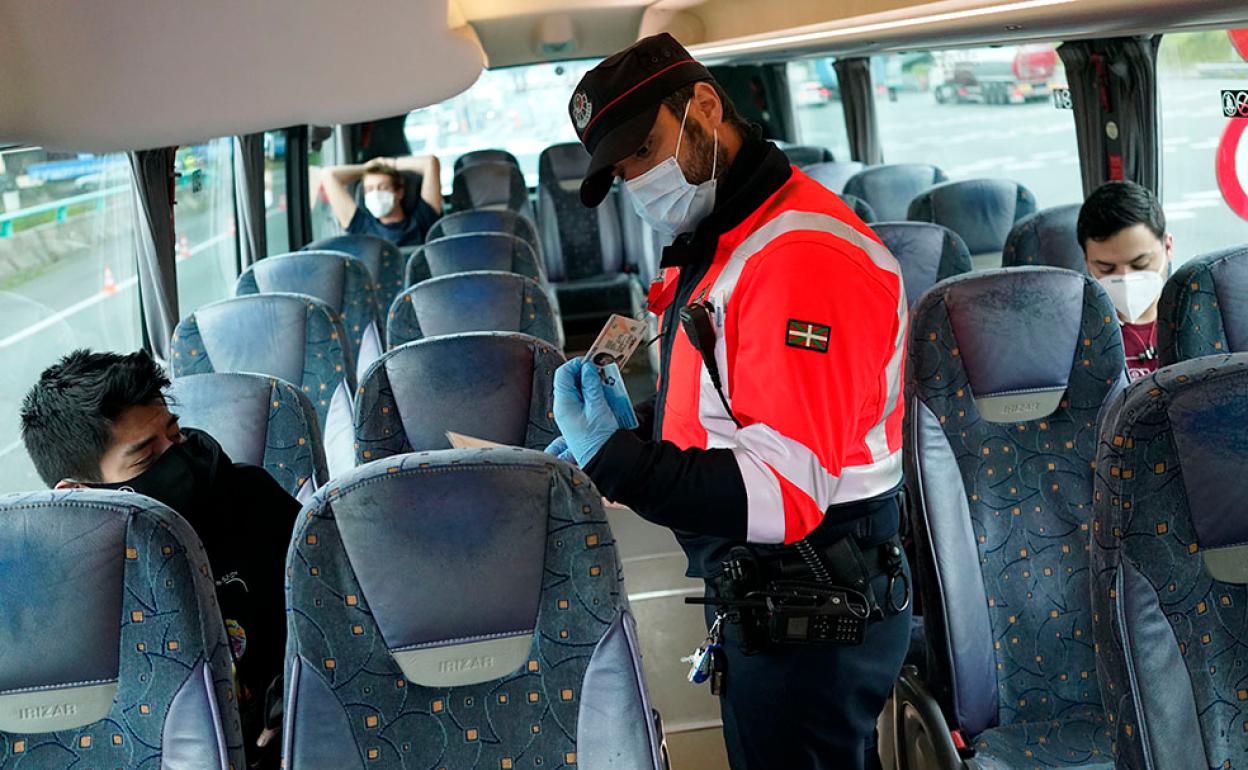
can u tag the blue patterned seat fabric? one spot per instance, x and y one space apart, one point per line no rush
928 254
473 302
462 609
112 649
1007 372
482 156
805 154
583 247
833 174
292 337
490 184
1170 566
861 208
1046 238
490 385
1203 309
473 251
335 278
982 211
888 189
486 221
381 257
259 420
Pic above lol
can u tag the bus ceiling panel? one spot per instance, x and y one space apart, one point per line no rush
132 74
583 30
744 30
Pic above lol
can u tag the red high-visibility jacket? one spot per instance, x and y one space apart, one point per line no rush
810 326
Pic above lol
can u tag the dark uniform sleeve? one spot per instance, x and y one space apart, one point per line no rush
645 417
693 490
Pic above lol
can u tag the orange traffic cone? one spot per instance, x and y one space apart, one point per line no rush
184 248
110 283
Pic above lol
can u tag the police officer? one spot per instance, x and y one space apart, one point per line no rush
773 446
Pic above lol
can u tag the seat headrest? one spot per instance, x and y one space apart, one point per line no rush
485 156
1017 333
1203 309
480 301
369 249
470 528
560 163
1046 238
484 221
889 189
469 252
982 211
266 334
492 385
927 254
833 175
320 274
802 155
861 208
488 183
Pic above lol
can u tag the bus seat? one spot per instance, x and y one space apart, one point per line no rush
335 278
486 300
293 337
470 252
1046 238
1203 309
114 653
490 185
583 247
982 211
1170 565
485 156
381 257
805 154
461 609
861 208
927 253
259 420
496 386
1007 372
890 188
833 174
486 221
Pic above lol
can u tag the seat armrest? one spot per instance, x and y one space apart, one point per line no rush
662 736
921 734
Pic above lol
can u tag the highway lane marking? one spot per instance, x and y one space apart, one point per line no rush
92 300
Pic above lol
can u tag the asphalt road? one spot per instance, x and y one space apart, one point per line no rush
1034 144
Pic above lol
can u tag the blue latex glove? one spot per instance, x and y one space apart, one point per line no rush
559 448
581 410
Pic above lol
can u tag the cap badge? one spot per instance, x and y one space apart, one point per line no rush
582 109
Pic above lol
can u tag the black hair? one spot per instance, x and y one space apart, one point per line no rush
677 100
67 416
1114 207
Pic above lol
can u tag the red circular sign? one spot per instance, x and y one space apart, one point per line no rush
1239 39
1229 180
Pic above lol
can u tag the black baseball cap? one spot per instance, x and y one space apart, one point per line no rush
616 103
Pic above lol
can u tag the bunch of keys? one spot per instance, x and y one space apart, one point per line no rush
706 661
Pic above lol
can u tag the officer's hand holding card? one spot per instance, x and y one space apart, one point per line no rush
615 344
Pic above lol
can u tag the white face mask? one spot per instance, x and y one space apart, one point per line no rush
666 200
379 202
1134 293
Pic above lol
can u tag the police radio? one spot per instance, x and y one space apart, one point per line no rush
697 319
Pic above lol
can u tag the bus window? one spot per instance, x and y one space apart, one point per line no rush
276 227
981 112
816 98
519 109
207 237
67 275
1192 69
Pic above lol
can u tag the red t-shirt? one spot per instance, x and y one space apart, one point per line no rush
1139 343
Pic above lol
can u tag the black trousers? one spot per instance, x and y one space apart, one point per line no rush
797 707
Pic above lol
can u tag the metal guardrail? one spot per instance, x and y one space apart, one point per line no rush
60 208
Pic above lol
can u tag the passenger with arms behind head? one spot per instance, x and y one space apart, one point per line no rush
101 420
1122 230
383 213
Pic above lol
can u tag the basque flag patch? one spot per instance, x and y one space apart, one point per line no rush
807 336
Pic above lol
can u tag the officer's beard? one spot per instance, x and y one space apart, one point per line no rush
701 159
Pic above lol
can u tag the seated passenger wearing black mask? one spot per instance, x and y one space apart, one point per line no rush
101 420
